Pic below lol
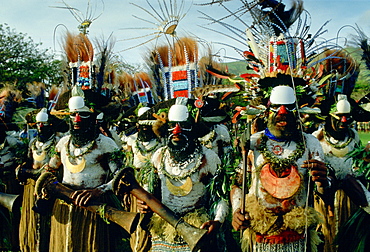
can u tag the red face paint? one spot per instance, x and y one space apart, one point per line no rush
177 129
282 110
77 118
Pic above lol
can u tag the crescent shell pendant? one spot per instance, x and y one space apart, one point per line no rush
340 152
182 190
37 157
281 188
76 168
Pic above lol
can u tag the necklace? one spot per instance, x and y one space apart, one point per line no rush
339 144
75 168
79 159
195 157
39 149
88 148
280 164
143 151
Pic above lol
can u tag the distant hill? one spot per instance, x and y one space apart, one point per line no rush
237 67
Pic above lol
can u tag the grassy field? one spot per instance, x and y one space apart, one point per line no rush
365 137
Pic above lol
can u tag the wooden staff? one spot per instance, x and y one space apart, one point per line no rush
245 144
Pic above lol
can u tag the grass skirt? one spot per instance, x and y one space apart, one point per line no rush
34 229
79 230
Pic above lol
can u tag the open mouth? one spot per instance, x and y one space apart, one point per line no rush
281 123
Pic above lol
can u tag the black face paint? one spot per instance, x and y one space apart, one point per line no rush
145 133
282 124
83 127
44 131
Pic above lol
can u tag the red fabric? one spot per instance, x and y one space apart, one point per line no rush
179 75
180 93
286 236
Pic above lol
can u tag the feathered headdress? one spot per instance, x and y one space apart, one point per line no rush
80 54
279 50
176 68
137 88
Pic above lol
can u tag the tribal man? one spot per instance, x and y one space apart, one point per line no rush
185 168
282 161
89 161
338 139
34 228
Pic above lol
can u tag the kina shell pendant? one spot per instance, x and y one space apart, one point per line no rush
181 190
281 188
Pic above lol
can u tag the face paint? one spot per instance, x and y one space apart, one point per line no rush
82 127
145 133
282 120
44 131
341 121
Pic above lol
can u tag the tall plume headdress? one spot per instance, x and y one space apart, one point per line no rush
78 48
277 45
175 67
137 88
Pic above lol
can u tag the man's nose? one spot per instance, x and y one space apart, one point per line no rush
282 110
77 118
177 130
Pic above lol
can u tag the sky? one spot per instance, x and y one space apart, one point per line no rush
46 24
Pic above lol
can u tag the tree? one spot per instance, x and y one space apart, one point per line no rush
22 61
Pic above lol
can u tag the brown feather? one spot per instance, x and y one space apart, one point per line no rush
85 48
179 58
72 54
53 92
142 77
163 54
126 83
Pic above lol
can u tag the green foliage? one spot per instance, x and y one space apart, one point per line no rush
220 185
360 157
116 155
237 67
22 61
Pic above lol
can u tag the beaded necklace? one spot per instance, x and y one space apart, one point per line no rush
339 144
194 157
88 149
143 151
44 146
280 164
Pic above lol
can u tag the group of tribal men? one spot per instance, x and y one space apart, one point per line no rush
297 195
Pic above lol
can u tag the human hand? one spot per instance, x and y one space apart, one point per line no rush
318 171
82 197
240 221
142 207
212 226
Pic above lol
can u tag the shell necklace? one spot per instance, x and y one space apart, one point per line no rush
279 164
143 148
78 156
39 149
177 168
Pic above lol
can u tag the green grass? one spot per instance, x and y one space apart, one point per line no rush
364 136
